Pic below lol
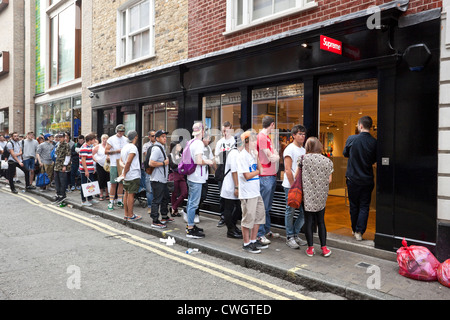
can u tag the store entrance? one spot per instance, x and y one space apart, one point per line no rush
341 105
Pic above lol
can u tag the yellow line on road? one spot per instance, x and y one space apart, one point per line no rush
173 254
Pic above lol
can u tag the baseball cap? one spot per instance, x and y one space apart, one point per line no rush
48 135
159 133
120 127
197 128
247 134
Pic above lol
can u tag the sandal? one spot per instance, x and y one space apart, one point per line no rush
133 218
101 198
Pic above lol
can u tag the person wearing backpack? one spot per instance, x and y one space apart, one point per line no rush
14 151
223 147
43 154
196 179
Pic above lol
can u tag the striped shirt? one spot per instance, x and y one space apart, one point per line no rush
86 151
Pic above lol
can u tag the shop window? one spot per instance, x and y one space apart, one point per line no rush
54 117
160 116
247 13
4 121
285 105
135 31
220 108
65 43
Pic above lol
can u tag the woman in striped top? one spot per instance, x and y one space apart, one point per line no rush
87 167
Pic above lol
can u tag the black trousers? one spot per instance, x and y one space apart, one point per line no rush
232 212
160 200
12 165
359 197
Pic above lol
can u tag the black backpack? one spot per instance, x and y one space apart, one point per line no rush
148 169
220 173
6 152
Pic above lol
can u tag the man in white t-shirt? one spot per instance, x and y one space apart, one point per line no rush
229 192
291 155
224 145
114 145
196 180
131 174
252 204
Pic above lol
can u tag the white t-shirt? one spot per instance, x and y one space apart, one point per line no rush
294 153
246 162
223 145
135 168
227 191
200 175
116 144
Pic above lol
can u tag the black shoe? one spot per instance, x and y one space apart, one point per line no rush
14 191
251 248
234 234
30 187
194 233
221 222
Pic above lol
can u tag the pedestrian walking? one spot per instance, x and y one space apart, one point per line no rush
316 176
361 151
87 167
269 158
230 190
131 174
252 204
180 191
161 196
101 160
196 179
114 145
62 165
291 154
15 161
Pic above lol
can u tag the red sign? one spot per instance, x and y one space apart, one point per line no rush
330 44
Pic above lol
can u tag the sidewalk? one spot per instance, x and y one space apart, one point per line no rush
347 272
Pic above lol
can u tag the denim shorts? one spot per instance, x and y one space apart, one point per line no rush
29 163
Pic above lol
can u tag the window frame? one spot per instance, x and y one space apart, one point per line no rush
232 8
128 59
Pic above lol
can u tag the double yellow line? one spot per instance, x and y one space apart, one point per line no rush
273 291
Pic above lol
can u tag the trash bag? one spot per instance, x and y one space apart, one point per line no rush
417 262
443 273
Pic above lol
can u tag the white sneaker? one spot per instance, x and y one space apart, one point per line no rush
93 201
358 236
264 240
87 204
197 218
291 243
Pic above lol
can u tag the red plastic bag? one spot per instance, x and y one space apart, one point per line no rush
443 273
417 262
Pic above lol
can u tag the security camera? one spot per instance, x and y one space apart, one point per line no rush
91 95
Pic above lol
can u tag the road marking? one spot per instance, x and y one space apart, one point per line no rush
172 254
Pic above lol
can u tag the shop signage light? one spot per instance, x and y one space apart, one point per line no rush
330 44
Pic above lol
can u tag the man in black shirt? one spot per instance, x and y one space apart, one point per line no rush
361 149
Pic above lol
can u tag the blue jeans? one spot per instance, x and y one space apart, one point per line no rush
195 192
267 185
148 190
293 228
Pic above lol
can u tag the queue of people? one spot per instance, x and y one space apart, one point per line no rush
246 164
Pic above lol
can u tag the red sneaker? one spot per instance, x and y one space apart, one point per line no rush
310 251
325 251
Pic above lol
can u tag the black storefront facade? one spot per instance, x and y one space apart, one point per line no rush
401 54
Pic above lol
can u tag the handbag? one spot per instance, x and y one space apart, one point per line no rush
90 188
295 194
42 179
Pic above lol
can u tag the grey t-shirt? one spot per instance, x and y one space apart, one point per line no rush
44 150
29 148
159 174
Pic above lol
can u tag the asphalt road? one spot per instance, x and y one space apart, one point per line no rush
53 253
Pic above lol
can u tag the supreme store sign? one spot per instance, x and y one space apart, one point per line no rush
330 44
